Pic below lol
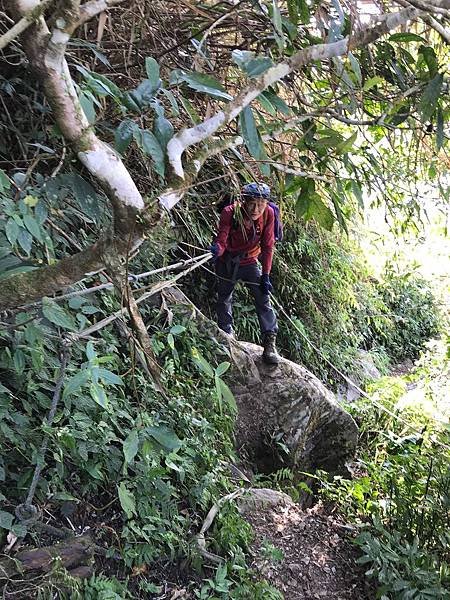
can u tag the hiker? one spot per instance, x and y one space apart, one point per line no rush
246 233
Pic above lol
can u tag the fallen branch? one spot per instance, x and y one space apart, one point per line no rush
72 553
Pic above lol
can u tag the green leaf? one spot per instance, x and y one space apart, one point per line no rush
131 446
252 138
337 207
165 436
177 329
25 240
75 383
127 500
293 11
228 395
346 145
278 25
250 63
33 227
430 97
372 82
407 37
429 57
310 206
6 519
355 67
200 82
12 231
152 70
4 181
98 394
163 130
305 15
150 146
222 368
124 134
109 378
278 102
357 192
439 128
267 104
172 101
87 105
57 315
201 362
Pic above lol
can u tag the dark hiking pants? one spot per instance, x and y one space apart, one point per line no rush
227 275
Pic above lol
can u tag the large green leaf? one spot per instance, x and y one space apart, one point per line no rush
75 383
430 97
131 446
6 519
250 63
152 70
150 146
430 59
200 82
12 231
252 138
25 240
163 130
124 134
201 362
4 181
165 436
57 315
406 37
33 227
98 394
127 500
310 206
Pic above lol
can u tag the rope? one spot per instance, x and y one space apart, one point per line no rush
155 288
27 512
131 278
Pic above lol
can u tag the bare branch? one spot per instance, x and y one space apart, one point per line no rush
434 23
32 16
441 7
90 9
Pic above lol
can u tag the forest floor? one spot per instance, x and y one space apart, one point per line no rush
307 554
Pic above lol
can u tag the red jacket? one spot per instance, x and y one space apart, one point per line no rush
253 242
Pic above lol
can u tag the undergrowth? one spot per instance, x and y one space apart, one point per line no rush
399 496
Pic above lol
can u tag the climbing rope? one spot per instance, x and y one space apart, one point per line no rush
131 279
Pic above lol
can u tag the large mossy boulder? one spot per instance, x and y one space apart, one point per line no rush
286 415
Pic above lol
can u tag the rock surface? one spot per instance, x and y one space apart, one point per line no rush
286 415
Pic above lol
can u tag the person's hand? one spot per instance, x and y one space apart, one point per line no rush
264 284
214 249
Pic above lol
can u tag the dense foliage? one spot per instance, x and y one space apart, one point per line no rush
401 489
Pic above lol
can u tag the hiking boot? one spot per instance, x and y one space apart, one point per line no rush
270 354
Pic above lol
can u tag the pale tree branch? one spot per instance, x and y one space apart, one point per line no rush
438 27
439 7
194 135
89 10
30 17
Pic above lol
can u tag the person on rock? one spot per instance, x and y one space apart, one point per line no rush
246 234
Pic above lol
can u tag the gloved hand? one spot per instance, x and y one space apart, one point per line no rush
264 284
214 249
